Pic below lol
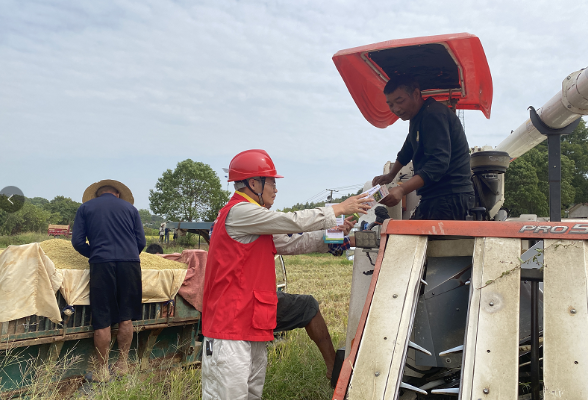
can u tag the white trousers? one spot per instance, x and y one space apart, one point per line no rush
234 371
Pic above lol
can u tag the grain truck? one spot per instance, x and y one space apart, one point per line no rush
45 317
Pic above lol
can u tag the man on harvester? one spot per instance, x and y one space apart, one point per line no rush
239 305
437 145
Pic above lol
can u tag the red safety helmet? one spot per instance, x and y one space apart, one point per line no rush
252 163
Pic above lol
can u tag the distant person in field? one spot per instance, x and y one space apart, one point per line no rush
113 229
175 235
440 154
240 301
166 235
161 232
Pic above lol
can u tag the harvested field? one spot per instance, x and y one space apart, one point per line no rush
64 256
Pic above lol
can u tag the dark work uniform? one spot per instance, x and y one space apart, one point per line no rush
438 148
116 238
294 311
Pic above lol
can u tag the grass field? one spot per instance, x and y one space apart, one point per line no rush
296 370
295 367
23 238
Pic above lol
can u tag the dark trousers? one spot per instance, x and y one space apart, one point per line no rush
294 311
115 293
449 207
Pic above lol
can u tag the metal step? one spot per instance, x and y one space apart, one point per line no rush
565 351
382 353
491 348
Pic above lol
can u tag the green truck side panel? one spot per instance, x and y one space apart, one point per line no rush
175 338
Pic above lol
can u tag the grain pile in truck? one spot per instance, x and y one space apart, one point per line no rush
64 256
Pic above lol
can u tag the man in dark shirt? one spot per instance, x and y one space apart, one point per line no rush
438 148
112 226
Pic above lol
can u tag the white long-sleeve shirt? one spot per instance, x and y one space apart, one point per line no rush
246 221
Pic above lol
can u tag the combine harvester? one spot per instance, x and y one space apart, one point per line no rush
456 309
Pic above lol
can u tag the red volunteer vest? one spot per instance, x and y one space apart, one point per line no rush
240 299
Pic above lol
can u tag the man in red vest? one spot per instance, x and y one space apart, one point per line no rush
239 305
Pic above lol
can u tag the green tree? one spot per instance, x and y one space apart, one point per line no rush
575 147
63 209
156 220
191 192
145 216
527 181
29 218
521 187
38 201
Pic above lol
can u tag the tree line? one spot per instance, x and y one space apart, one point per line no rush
193 192
310 205
526 184
37 213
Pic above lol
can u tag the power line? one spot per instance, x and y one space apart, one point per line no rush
316 196
348 187
324 193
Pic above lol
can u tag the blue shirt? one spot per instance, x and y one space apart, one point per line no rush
113 228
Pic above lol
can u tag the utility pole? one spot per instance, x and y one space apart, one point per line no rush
330 197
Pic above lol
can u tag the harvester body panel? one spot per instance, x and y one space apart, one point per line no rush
446 66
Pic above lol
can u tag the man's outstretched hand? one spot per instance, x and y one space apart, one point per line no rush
353 205
382 180
394 197
348 224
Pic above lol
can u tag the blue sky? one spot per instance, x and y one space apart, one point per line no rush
126 89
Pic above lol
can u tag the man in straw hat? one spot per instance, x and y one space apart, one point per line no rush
113 229
240 302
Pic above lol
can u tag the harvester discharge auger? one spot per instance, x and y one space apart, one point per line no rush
456 308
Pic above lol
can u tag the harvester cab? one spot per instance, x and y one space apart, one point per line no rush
446 309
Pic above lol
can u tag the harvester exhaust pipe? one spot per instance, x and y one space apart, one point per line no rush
563 109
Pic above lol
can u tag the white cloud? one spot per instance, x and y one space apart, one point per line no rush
91 90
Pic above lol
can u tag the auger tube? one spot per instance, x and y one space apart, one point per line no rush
563 109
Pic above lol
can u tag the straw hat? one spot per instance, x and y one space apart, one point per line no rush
124 192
